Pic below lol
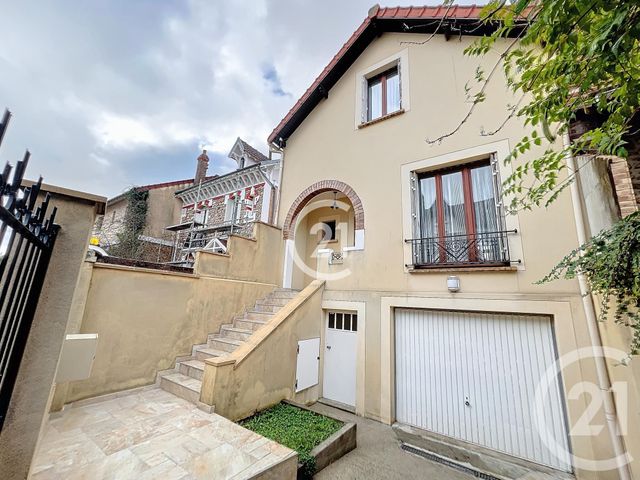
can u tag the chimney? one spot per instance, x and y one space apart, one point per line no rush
201 169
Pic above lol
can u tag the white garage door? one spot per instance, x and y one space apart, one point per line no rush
473 376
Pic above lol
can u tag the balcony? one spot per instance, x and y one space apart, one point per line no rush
465 250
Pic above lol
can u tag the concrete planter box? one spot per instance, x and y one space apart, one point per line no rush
334 447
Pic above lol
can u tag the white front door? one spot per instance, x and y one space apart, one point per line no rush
339 382
473 376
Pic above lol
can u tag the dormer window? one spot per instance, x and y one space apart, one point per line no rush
242 162
383 94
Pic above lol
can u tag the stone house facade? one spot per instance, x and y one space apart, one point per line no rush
228 204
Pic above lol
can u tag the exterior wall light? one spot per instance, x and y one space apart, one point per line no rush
453 283
335 201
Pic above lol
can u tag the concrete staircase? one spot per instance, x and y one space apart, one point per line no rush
185 380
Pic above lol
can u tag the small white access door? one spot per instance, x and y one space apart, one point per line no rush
308 363
339 383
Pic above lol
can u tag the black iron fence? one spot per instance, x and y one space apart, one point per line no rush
488 248
27 236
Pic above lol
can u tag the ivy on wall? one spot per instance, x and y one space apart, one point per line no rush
129 244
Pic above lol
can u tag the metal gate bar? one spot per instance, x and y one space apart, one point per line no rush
26 243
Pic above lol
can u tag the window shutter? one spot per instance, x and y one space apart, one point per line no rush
364 100
400 82
415 206
495 172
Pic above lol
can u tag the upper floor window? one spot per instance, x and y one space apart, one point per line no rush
459 218
383 94
382 89
230 210
201 216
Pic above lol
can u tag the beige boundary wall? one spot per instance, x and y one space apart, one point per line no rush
146 318
257 259
31 397
262 372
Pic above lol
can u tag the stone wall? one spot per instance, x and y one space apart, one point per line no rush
215 209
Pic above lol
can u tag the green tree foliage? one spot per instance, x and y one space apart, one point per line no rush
135 218
610 262
574 56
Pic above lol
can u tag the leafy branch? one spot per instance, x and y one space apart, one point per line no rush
575 59
610 261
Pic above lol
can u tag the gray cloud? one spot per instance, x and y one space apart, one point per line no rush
109 94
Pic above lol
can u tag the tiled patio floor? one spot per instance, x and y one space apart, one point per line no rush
152 434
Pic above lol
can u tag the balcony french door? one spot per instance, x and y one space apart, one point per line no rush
458 218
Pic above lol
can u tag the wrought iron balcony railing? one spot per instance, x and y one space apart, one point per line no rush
488 248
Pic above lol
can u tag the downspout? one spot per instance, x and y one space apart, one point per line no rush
274 147
273 187
604 382
264 175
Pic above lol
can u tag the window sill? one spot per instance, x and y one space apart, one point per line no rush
327 242
380 119
479 268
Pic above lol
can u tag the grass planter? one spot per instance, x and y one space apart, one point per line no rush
318 439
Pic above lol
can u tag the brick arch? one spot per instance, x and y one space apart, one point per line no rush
301 201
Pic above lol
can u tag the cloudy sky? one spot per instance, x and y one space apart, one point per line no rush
113 93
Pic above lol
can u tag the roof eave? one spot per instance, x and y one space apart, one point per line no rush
370 28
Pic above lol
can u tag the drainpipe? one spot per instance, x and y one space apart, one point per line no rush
266 178
604 382
275 148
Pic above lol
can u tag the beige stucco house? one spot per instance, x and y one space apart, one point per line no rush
432 319
385 276
163 209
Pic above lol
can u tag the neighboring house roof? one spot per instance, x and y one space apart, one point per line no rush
241 147
153 186
427 19
253 172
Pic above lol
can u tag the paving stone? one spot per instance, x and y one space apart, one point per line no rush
149 435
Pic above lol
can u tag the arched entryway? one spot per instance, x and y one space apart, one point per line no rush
327 218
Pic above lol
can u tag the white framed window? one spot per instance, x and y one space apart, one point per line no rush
231 207
383 94
453 211
327 231
383 89
201 216
343 321
458 216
